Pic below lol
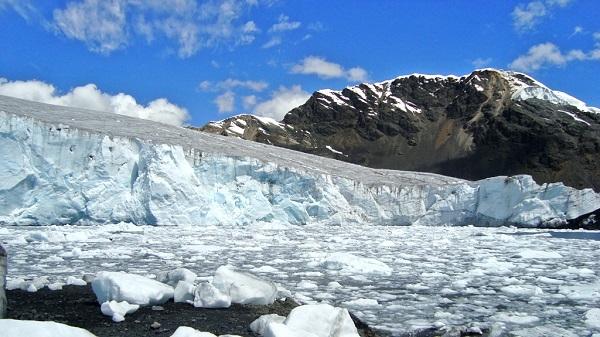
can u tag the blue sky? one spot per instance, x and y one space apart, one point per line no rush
211 59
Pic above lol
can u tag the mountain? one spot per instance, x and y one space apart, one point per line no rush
483 124
73 166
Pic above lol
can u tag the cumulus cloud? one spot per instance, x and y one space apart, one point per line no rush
281 102
314 65
225 102
274 41
548 54
481 62
108 25
249 101
284 24
90 97
527 16
232 83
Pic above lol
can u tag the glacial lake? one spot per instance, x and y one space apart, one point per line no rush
518 281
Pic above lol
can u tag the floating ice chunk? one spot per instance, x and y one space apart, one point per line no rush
492 265
351 263
135 289
174 276
548 280
589 291
48 236
184 292
282 330
184 331
259 325
323 320
522 290
265 269
543 331
207 295
334 285
538 254
17 328
305 284
362 303
74 281
592 318
515 318
244 288
572 271
118 310
76 236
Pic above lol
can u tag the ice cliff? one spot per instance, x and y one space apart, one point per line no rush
64 166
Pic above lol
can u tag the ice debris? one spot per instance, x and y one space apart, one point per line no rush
18 328
118 310
259 325
311 320
174 276
135 289
244 288
207 295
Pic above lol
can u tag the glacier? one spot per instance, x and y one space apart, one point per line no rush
73 166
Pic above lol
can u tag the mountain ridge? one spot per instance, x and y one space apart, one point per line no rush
487 123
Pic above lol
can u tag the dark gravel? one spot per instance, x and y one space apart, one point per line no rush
77 306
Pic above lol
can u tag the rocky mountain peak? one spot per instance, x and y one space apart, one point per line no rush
489 122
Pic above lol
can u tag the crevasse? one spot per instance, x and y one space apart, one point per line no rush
69 166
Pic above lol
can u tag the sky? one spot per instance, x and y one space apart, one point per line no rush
188 62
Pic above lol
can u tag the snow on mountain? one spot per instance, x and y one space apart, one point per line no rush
63 165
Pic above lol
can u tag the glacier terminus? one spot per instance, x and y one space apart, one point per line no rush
71 166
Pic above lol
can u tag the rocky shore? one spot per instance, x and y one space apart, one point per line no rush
77 306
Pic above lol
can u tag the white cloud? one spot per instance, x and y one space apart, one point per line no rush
284 24
108 25
576 31
250 27
274 41
481 62
356 74
282 101
23 7
527 16
100 24
232 83
560 3
548 54
90 97
249 101
225 102
314 65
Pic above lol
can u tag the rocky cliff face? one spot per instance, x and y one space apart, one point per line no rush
479 125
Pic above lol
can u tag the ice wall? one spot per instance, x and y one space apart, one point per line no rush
61 171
